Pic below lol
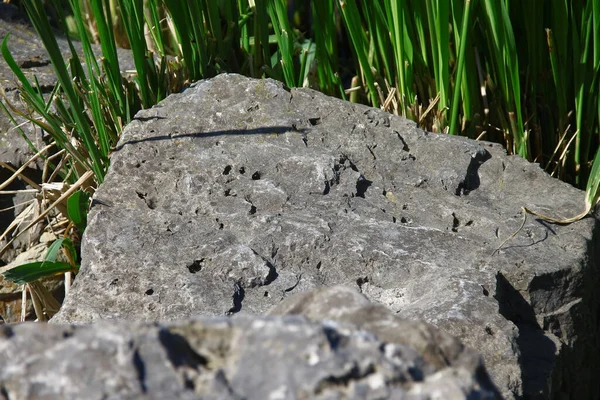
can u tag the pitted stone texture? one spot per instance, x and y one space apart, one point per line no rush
242 357
236 193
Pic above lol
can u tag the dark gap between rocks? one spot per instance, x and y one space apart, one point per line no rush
238 297
140 370
181 355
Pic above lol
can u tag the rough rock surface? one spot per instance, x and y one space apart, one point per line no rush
285 357
231 196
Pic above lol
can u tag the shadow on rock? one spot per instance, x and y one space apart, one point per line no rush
537 352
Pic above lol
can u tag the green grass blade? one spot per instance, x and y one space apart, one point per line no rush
77 208
360 45
440 13
146 66
191 37
52 252
35 96
33 271
462 47
261 56
307 59
111 66
35 100
278 14
154 25
326 47
40 22
592 192
506 68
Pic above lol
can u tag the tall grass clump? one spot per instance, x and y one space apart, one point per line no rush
518 73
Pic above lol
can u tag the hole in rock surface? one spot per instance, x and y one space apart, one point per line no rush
238 297
361 281
455 223
361 186
195 266
486 292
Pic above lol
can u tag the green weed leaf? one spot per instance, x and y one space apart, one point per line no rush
592 193
36 270
53 250
77 207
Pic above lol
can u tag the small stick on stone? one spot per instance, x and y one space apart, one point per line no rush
526 211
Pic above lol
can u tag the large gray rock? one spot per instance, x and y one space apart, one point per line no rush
242 357
229 197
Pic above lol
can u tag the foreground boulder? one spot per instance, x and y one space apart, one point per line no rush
224 358
237 193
